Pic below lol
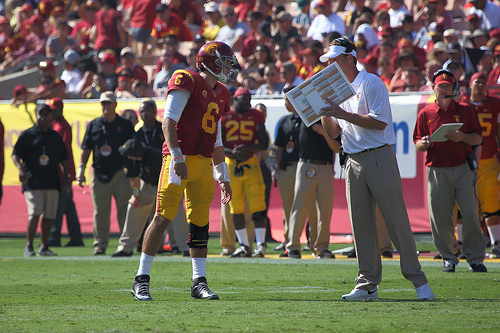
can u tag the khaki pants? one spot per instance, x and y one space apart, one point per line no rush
372 178
444 186
119 188
313 191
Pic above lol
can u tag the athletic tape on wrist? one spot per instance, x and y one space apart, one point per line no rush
221 173
177 156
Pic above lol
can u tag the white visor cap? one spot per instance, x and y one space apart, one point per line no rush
334 51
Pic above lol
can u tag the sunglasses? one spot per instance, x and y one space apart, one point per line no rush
105 103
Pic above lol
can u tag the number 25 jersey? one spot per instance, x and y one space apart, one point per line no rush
197 127
241 128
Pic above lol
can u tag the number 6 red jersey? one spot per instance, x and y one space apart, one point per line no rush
197 127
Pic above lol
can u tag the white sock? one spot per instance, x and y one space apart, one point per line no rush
260 235
145 264
494 231
459 232
242 236
199 265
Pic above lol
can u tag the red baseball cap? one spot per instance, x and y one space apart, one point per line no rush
476 76
242 92
46 65
107 58
4 20
386 30
26 7
19 90
472 16
56 103
444 78
37 20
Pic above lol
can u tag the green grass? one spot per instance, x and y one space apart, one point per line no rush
76 292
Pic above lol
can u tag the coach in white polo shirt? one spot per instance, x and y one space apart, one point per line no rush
372 175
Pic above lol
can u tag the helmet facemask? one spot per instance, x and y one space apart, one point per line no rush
221 62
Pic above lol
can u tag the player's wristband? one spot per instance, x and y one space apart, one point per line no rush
177 156
221 173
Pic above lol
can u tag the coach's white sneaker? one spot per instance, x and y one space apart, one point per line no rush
358 294
425 293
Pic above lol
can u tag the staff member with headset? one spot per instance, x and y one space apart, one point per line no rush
449 175
372 175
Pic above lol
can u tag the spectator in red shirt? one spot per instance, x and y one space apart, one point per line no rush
9 41
188 12
142 15
45 7
242 9
169 23
23 18
81 30
109 32
32 49
127 59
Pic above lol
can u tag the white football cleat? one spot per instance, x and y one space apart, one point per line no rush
358 294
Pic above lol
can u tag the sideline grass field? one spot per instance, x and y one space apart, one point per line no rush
77 292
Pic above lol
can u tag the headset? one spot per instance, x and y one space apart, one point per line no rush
456 85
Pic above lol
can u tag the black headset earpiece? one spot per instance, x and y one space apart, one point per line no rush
456 85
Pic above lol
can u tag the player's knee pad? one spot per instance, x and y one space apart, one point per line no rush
497 213
259 216
198 236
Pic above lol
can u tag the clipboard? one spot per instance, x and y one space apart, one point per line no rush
438 135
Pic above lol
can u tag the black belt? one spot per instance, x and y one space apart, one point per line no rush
369 149
315 161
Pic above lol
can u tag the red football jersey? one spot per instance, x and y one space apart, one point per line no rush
487 113
241 128
197 127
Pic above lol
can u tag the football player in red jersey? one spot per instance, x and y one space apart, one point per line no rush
191 126
244 134
488 113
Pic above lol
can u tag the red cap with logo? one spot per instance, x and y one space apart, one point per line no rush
444 78
55 103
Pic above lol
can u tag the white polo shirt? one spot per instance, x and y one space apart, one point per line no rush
372 99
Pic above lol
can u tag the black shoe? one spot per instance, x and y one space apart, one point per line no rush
294 254
242 251
54 243
387 254
175 250
284 254
98 251
200 290
448 266
121 254
280 247
186 253
75 243
438 256
478 268
325 254
140 288
350 254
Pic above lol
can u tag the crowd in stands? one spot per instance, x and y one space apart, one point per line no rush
133 47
